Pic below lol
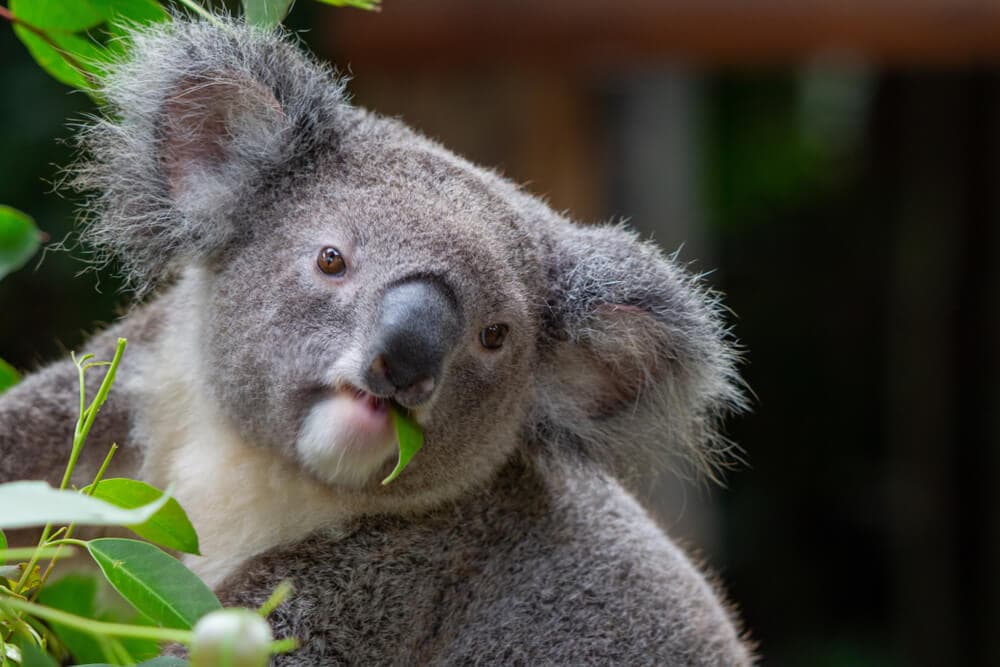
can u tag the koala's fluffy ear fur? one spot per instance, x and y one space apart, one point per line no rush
195 124
637 355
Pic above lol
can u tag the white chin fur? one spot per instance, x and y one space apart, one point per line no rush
341 443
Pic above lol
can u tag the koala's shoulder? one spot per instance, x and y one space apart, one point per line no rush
571 565
593 579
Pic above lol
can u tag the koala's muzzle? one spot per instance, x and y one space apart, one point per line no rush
418 325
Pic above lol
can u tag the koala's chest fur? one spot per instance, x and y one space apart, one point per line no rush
242 499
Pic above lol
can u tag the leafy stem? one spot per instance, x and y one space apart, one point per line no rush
98 628
88 415
276 598
69 529
103 629
68 540
83 425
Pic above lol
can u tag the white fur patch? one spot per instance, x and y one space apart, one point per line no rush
343 445
242 499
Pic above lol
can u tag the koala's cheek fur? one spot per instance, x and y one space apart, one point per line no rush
270 345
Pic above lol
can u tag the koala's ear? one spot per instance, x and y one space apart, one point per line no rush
214 127
201 121
638 365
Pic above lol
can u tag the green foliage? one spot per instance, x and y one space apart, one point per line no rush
266 13
8 376
76 594
410 438
155 583
169 526
63 38
70 40
139 648
370 5
36 503
19 239
270 13
32 657
117 12
58 14
63 56
39 620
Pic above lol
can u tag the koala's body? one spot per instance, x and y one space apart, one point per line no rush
312 263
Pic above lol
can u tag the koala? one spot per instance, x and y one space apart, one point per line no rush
301 266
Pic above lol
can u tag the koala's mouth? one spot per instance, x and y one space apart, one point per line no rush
347 435
376 404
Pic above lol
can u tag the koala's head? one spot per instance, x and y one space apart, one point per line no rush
341 263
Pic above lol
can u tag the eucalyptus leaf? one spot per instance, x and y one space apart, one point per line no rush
123 15
357 4
32 656
155 583
410 437
81 15
59 15
169 527
266 13
19 240
68 58
8 376
3 541
135 11
24 504
75 594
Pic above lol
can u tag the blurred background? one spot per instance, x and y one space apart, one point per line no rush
832 166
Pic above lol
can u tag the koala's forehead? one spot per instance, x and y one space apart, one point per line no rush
394 198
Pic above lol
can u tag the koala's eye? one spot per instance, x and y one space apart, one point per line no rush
331 262
492 336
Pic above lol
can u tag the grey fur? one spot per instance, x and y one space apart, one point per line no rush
226 160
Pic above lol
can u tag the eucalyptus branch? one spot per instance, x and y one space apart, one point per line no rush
83 425
100 471
286 645
20 553
283 590
88 415
98 628
69 529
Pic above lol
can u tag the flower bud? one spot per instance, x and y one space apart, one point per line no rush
231 638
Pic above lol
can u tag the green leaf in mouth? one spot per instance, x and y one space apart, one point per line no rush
410 437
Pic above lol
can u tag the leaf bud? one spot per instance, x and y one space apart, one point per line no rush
231 638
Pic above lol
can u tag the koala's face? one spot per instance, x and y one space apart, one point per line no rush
390 276
343 263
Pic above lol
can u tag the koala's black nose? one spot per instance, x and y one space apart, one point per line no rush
418 324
